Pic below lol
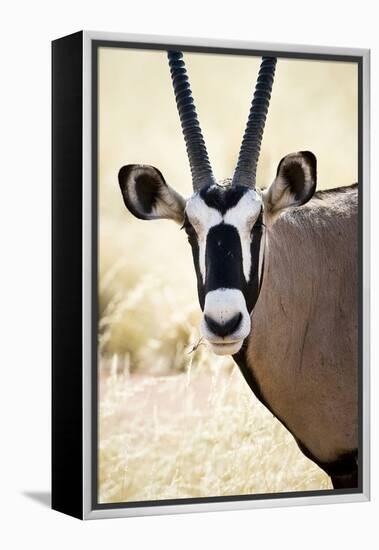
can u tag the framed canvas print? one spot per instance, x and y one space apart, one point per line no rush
210 275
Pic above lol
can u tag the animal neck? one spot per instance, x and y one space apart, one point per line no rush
310 249
302 343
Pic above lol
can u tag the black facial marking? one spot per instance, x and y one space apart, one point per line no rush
192 239
223 329
223 258
222 198
254 285
223 253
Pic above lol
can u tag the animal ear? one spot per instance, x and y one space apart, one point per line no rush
295 182
147 196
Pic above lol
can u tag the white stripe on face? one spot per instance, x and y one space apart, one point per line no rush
261 254
242 216
202 218
221 305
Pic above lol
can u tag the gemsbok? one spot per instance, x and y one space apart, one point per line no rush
276 277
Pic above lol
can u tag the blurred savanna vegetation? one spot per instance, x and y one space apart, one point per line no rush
200 432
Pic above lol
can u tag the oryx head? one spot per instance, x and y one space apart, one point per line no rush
224 221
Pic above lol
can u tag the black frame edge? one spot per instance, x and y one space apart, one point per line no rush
67 365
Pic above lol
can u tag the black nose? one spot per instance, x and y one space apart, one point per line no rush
223 329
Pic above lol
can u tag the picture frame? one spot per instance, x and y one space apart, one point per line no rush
75 314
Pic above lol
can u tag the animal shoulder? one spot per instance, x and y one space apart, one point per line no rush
329 206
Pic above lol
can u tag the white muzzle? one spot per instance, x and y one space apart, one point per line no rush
226 321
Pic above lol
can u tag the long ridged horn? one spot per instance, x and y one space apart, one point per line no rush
245 172
196 150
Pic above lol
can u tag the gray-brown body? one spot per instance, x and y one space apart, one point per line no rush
302 351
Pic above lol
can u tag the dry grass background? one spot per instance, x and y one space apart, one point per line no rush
175 424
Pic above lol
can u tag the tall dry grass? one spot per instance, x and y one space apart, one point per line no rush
197 434
176 421
176 424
